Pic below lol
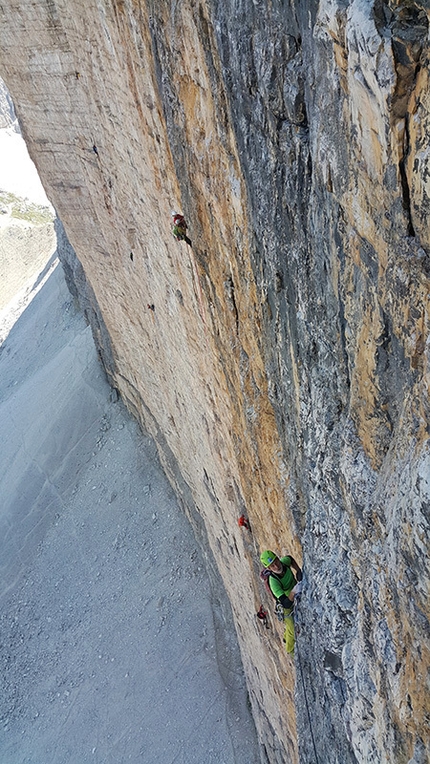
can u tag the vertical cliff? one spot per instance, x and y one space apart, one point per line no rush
282 363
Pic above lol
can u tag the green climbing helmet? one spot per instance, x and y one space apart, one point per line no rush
268 557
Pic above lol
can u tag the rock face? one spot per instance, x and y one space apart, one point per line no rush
282 363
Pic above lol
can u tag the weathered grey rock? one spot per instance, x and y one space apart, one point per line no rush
284 368
25 249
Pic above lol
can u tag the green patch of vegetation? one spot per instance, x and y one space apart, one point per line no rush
23 209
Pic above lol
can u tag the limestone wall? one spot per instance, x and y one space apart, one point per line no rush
281 363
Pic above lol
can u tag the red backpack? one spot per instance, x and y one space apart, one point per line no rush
179 220
265 575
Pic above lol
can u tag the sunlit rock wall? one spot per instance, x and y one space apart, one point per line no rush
282 363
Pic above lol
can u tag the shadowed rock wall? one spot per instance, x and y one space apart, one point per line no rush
282 362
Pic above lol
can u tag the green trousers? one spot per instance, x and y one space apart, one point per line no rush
289 635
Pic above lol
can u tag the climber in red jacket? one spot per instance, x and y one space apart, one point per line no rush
179 229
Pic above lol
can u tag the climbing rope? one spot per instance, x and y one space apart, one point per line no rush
296 651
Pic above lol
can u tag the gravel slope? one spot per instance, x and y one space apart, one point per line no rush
109 652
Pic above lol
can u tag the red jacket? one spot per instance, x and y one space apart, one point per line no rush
179 220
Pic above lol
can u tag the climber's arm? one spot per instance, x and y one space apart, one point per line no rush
296 569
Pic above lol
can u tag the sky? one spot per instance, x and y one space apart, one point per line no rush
18 173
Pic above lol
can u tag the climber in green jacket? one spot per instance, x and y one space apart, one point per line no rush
285 582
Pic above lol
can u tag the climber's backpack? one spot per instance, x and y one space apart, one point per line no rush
265 575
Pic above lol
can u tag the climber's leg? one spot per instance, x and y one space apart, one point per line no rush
289 636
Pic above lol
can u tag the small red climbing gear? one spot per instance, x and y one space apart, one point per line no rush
262 615
244 523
